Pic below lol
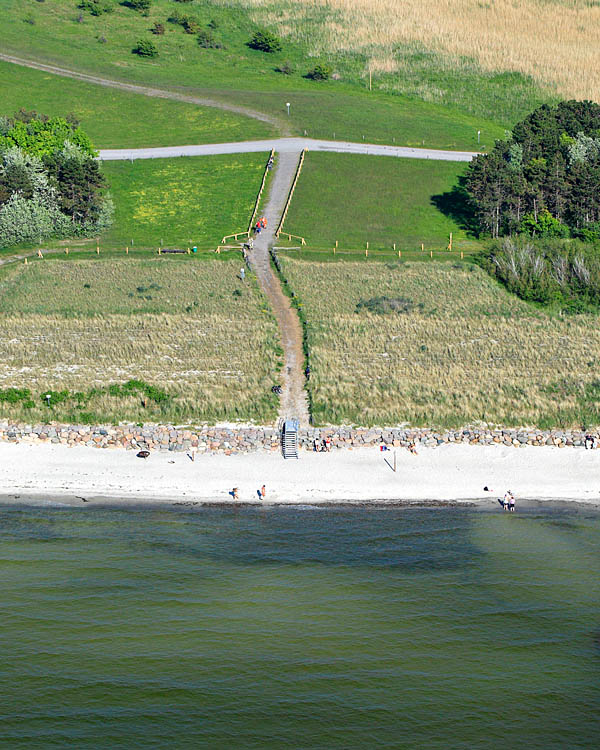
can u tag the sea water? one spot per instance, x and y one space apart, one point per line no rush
299 628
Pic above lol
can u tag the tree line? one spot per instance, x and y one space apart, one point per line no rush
543 180
51 184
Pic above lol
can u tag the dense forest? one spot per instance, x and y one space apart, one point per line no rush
51 184
543 180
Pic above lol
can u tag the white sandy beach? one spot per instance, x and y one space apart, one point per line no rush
50 473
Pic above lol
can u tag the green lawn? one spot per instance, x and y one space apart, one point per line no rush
444 117
182 202
376 199
118 119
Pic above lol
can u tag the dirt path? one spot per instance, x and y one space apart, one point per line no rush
279 124
294 402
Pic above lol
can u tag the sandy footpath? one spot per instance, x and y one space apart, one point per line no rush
43 473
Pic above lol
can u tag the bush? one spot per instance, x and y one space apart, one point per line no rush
265 41
386 305
97 7
286 68
319 73
145 48
190 24
544 226
158 29
207 40
142 6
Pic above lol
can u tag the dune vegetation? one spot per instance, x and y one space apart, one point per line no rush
440 345
155 340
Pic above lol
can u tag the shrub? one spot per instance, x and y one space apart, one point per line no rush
190 24
386 305
145 48
265 41
545 225
158 29
319 73
142 6
97 7
286 68
207 40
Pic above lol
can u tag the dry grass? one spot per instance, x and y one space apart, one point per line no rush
217 361
472 353
554 42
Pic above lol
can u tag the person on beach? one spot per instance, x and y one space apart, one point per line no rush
328 444
508 496
234 493
511 503
413 449
316 445
588 442
263 492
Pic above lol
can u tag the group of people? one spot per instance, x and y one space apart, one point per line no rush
322 446
590 442
235 493
508 502
260 225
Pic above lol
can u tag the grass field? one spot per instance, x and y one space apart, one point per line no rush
437 110
377 199
182 202
118 119
189 328
456 350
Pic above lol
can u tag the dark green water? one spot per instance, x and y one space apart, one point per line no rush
299 628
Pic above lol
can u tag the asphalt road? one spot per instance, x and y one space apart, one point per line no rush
285 145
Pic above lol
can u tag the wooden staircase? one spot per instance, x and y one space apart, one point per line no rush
289 438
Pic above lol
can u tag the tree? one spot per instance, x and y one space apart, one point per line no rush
145 48
265 41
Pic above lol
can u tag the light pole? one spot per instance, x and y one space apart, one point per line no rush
287 104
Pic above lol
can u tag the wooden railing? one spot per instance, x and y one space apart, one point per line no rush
260 192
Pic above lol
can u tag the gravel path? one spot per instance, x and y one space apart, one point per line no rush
294 402
280 124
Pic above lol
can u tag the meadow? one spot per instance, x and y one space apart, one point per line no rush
439 345
120 119
446 116
356 199
182 202
197 342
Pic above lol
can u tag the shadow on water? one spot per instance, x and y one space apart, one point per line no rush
457 205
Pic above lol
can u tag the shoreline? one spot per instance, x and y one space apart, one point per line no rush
46 474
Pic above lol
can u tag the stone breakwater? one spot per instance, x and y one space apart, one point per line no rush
235 440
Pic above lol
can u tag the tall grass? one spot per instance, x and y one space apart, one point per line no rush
440 345
553 42
209 341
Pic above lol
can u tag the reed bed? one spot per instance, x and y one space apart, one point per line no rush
205 339
553 42
463 350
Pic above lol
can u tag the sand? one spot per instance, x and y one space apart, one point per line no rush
62 474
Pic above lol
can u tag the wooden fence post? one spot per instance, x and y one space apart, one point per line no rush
450 243
367 251
399 253
97 250
461 255
66 250
422 247
25 261
40 254
127 251
159 251
431 253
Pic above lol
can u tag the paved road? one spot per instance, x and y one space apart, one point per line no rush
285 145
